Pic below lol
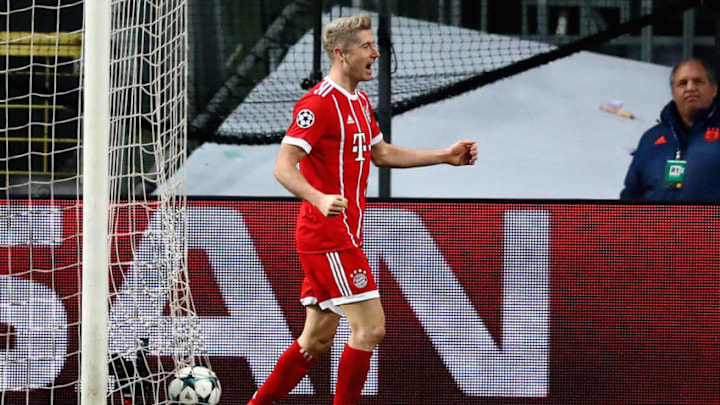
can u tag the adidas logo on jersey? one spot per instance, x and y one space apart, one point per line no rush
350 120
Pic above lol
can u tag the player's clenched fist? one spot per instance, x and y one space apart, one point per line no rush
463 153
332 205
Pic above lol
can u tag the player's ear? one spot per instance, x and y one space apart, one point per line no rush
338 54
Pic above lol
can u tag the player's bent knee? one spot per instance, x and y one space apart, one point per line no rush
370 336
379 334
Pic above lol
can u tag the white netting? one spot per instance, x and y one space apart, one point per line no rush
40 53
40 65
152 329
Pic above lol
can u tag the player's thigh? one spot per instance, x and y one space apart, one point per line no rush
319 329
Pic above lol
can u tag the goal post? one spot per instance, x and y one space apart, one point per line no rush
95 300
95 197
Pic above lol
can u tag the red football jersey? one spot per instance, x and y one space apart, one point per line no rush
336 129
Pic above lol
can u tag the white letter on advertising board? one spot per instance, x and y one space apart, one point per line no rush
520 366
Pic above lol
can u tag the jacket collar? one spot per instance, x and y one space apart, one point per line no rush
671 116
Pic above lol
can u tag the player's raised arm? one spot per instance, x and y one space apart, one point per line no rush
459 154
287 173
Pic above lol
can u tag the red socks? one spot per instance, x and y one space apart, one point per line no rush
352 372
295 363
291 367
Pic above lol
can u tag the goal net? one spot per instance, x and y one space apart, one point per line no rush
46 196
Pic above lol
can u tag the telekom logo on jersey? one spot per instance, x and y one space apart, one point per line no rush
359 146
258 331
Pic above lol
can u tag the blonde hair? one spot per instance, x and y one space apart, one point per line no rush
342 33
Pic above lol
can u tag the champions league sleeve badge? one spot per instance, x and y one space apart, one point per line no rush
305 118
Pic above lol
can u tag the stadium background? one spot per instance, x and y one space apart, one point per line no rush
540 302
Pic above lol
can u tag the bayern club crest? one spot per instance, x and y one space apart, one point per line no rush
305 118
360 278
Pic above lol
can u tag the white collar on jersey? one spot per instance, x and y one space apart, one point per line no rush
341 89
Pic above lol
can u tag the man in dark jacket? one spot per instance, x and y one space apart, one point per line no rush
679 158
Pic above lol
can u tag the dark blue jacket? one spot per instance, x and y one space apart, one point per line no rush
699 146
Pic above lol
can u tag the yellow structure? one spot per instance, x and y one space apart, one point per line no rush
39 44
47 51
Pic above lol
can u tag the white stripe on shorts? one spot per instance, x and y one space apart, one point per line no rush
339 273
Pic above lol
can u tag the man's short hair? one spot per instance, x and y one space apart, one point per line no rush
708 69
342 33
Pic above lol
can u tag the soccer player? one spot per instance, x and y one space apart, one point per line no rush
333 138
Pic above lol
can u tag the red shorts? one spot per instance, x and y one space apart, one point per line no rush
336 278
